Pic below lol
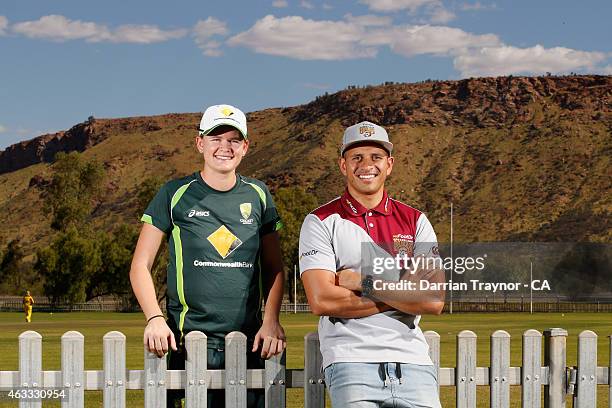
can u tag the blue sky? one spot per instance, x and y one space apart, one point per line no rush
64 60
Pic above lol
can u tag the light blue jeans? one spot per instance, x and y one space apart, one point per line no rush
374 385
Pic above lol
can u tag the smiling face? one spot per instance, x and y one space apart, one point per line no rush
223 149
366 168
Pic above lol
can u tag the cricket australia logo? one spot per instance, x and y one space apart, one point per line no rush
245 211
367 130
227 111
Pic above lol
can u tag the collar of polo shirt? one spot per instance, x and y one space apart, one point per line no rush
353 207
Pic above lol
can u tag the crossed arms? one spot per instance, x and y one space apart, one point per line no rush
337 295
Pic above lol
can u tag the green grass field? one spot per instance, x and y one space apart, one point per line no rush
94 325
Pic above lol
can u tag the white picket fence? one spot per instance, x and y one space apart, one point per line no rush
554 378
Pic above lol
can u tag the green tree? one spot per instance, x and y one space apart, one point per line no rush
74 187
293 204
12 267
67 266
73 257
147 190
112 277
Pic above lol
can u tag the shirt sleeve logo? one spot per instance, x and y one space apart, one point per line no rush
308 253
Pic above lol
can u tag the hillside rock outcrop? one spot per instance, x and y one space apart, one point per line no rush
45 147
501 102
482 102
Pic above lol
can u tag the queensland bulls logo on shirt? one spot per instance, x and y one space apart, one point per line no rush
403 245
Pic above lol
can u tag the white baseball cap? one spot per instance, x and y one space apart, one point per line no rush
223 115
365 132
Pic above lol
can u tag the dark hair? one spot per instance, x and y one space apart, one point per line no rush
221 130
366 143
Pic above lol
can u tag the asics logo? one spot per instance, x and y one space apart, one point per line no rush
198 213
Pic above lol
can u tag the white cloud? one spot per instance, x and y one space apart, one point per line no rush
280 3
306 4
59 28
425 39
505 60
144 34
354 37
369 20
397 5
3 25
211 48
3 128
296 37
203 32
440 15
434 9
477 6
607 70
363 36
327 6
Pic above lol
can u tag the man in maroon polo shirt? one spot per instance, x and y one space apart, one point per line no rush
374 353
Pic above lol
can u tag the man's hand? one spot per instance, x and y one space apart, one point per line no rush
272 337
156 337
349 279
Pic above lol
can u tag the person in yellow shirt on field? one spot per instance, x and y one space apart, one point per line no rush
28 301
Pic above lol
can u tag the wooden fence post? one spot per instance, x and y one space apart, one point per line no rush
555 354
532 368
586 381
235 370
73 366
314 382
433 341
154 380
196 365
275 382
499 378
30 364
466 369
610 372
197 380
114 369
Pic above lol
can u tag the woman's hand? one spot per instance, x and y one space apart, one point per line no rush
157 336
